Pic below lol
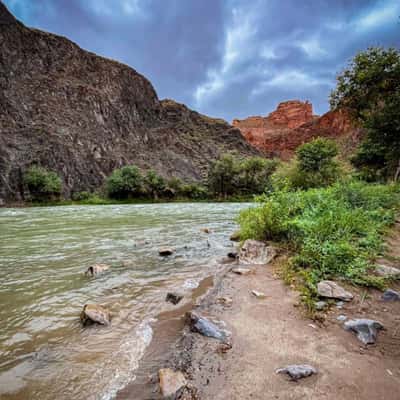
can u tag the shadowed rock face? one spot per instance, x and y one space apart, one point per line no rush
82 116
292 124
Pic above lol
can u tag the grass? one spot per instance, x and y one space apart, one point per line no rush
331 233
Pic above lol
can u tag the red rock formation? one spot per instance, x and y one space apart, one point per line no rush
289 126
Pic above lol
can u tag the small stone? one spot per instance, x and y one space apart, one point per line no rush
96 269
387 272
242 271
174 297
235 237
233 254
93 313
340 304
205 230
202 325
258 294
320 305
312 326
166 251
332 290
226 301
296 372
391 295
256 253
170 381
341 318
366 329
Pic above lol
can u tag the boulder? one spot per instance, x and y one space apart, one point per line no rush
256 253
235 237
170 381
242 271
174 297
387 272
202 325
332 290
166 251
96 269
391 295
296 372
259 295
366 329
93 313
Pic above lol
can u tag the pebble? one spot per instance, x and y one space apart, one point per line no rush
259 295
296 372
341 318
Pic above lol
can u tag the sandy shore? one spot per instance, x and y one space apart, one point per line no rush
273 332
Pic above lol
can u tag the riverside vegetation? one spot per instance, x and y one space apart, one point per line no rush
329 215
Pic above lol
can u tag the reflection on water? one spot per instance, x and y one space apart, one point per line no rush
44 351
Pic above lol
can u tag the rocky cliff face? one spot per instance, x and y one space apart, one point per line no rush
82 115
292 124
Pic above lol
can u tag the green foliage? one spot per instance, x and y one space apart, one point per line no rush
194 191
42 184
230 175
334 232
314 166
81 196
154 184
370 89
126 182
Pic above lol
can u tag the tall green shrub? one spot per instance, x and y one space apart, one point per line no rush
42 184
125 182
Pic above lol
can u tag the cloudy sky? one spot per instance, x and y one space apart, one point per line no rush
225 58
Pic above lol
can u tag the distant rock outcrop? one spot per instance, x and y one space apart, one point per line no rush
82 116
290 125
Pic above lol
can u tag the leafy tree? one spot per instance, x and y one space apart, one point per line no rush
370 89
255 173
42 184
222 176
125 182
155 184
194 191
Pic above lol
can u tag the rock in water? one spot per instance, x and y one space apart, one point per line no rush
256 252
387 272
170 381
96 269
205 327
174 297
332 290
366 329
391 295
233 255
93 313
296 372
166 251
235 237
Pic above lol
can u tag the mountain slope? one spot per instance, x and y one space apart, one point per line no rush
82 115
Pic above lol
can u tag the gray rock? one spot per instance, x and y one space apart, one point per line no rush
93 313
387 272
296 372
256 253
166 251
233 254
340 304
96 269
320 305
170 381
205 327
366 329
341 318
174 297
332 290
391 295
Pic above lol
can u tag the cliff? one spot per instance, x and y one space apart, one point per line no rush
82 116
292 124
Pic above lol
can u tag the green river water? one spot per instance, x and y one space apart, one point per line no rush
45 353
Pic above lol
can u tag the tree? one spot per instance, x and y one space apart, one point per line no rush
125 182
42 184
155 184
255 173
222 176
370 89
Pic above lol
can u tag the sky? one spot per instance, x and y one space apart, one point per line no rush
225 58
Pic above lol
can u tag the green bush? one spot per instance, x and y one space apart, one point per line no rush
81 196
154 184
194 191
42 184
334 232
126 182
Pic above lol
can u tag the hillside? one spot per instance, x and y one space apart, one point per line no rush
292 124
82 116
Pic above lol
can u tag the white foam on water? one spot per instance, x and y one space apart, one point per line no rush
191 284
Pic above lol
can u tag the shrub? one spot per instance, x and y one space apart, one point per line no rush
81 196
125 182
194 191
255 173
334 232
154 184
222 176
42 184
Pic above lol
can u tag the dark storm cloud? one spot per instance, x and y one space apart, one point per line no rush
229 58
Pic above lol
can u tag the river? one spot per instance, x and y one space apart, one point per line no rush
45 353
